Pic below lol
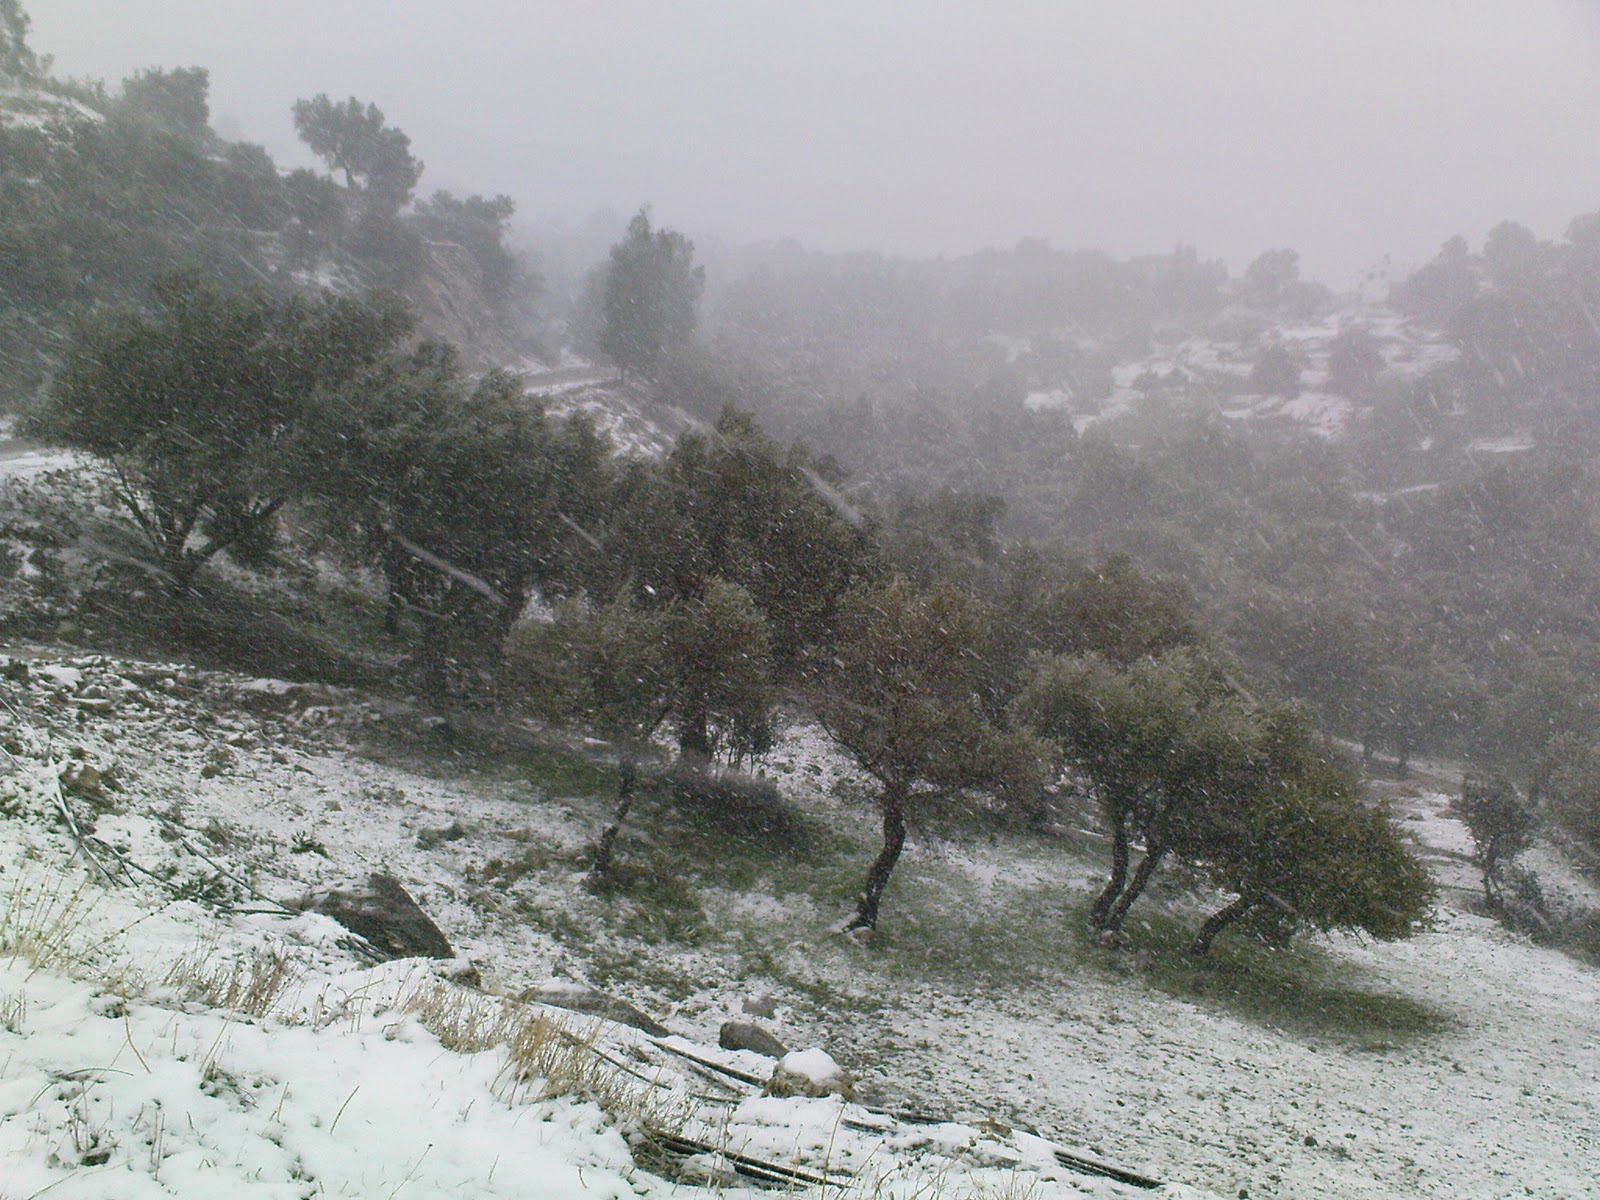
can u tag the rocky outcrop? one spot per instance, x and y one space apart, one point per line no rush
382 913
810 1073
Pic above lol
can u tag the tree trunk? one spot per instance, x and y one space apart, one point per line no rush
894 840
600 873
1216 923
694 735
1119 872
394 564
433 656
1153 855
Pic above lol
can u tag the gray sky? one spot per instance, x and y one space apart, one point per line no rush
1344 128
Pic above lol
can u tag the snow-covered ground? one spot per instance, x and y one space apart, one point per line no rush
119 1077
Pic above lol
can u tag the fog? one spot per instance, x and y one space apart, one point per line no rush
1349 131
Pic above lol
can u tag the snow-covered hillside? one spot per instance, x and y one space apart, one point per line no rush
1216 369
1465 1066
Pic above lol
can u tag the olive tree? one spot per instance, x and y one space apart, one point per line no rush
466 493
900 692
625 671
607 669
729 503
1302 844
1175 750
193 402
1501 824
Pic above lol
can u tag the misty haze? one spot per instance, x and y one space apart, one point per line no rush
906 601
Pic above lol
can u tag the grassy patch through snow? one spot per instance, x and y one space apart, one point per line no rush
1302 990
944 922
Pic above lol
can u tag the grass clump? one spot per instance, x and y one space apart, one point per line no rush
1301 989
547 1055
250 986
43 916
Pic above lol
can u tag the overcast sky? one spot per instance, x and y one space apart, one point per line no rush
1343 128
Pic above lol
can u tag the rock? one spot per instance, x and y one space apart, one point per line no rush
427 839
810 1073
763 1006
461 971
382 912
747 1035
578 997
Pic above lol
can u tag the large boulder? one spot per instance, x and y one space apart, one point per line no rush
382 913
747 1035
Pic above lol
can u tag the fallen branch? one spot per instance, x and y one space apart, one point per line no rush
78 836
731 1072
1090 1166
751 1168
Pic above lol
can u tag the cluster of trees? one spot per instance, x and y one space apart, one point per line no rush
693 593
103 190
1178 755
1523 312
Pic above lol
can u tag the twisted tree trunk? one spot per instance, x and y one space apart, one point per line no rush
894 840
1119 871
600 873
1216 923
1154 853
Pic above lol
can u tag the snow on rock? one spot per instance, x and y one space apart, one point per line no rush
810 1073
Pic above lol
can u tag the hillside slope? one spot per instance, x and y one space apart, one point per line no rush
1460 1064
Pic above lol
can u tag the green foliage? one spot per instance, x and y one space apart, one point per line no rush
1245 794
463 491
1566 782
1053 604
652 294
608 669
93 210
16 59
1271 277
1299 836
1154 740
1277 372
624 670
949 535
1501 825
175 100
194 403
479 227
901 693
1354 361
375 158
733 504
722 663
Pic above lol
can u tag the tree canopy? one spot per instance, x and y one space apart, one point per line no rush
900 691
193 402
375 158
651 297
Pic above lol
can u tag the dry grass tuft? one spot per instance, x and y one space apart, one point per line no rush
250 986
547 1054
42 917
13 1012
